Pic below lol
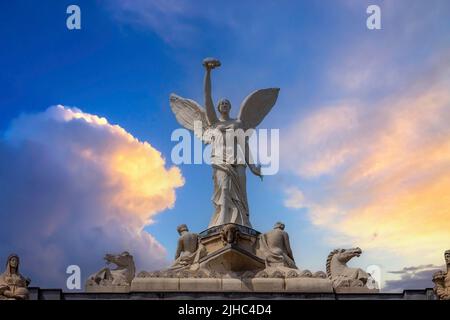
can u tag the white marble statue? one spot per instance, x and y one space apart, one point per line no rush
229 158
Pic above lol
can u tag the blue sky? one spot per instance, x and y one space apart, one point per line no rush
338 82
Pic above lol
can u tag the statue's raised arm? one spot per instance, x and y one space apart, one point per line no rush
189 113
209 64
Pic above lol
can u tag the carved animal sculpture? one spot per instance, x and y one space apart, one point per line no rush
340 274
122 275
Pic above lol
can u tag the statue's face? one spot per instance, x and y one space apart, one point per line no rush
447 257
14 262
224 107
181 230
279 226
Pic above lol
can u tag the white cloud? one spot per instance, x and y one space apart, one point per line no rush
74 187
387 167
167 18
326 130
294 198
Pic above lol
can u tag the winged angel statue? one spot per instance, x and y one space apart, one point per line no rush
230 152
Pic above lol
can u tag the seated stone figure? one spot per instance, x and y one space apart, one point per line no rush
122 275
276 248
441 280
188 248
12 284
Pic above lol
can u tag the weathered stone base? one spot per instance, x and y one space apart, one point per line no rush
108 289
299 285
355 290
272 285
308 285
231 285
155 284
58 294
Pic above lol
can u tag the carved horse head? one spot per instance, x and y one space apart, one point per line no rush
338 258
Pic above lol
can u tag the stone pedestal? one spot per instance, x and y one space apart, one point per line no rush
230 249
217 237
232 261
230 258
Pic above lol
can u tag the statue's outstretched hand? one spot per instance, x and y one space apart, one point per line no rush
256 169
211 63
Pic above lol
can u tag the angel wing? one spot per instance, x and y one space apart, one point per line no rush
256 106
187 112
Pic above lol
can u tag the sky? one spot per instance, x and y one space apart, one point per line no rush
85 129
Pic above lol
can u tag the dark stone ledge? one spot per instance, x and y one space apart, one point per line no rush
57 294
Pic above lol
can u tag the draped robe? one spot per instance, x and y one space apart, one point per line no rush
230 190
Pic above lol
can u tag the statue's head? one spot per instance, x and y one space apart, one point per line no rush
447 257
224 106
123 259
439 276
181 228
347 254
279 225
13 262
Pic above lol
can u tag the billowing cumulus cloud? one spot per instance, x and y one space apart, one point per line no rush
74 187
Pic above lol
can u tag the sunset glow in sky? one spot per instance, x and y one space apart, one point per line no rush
364 120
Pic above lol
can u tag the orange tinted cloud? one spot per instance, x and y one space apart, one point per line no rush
75 187
135 169
385 176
